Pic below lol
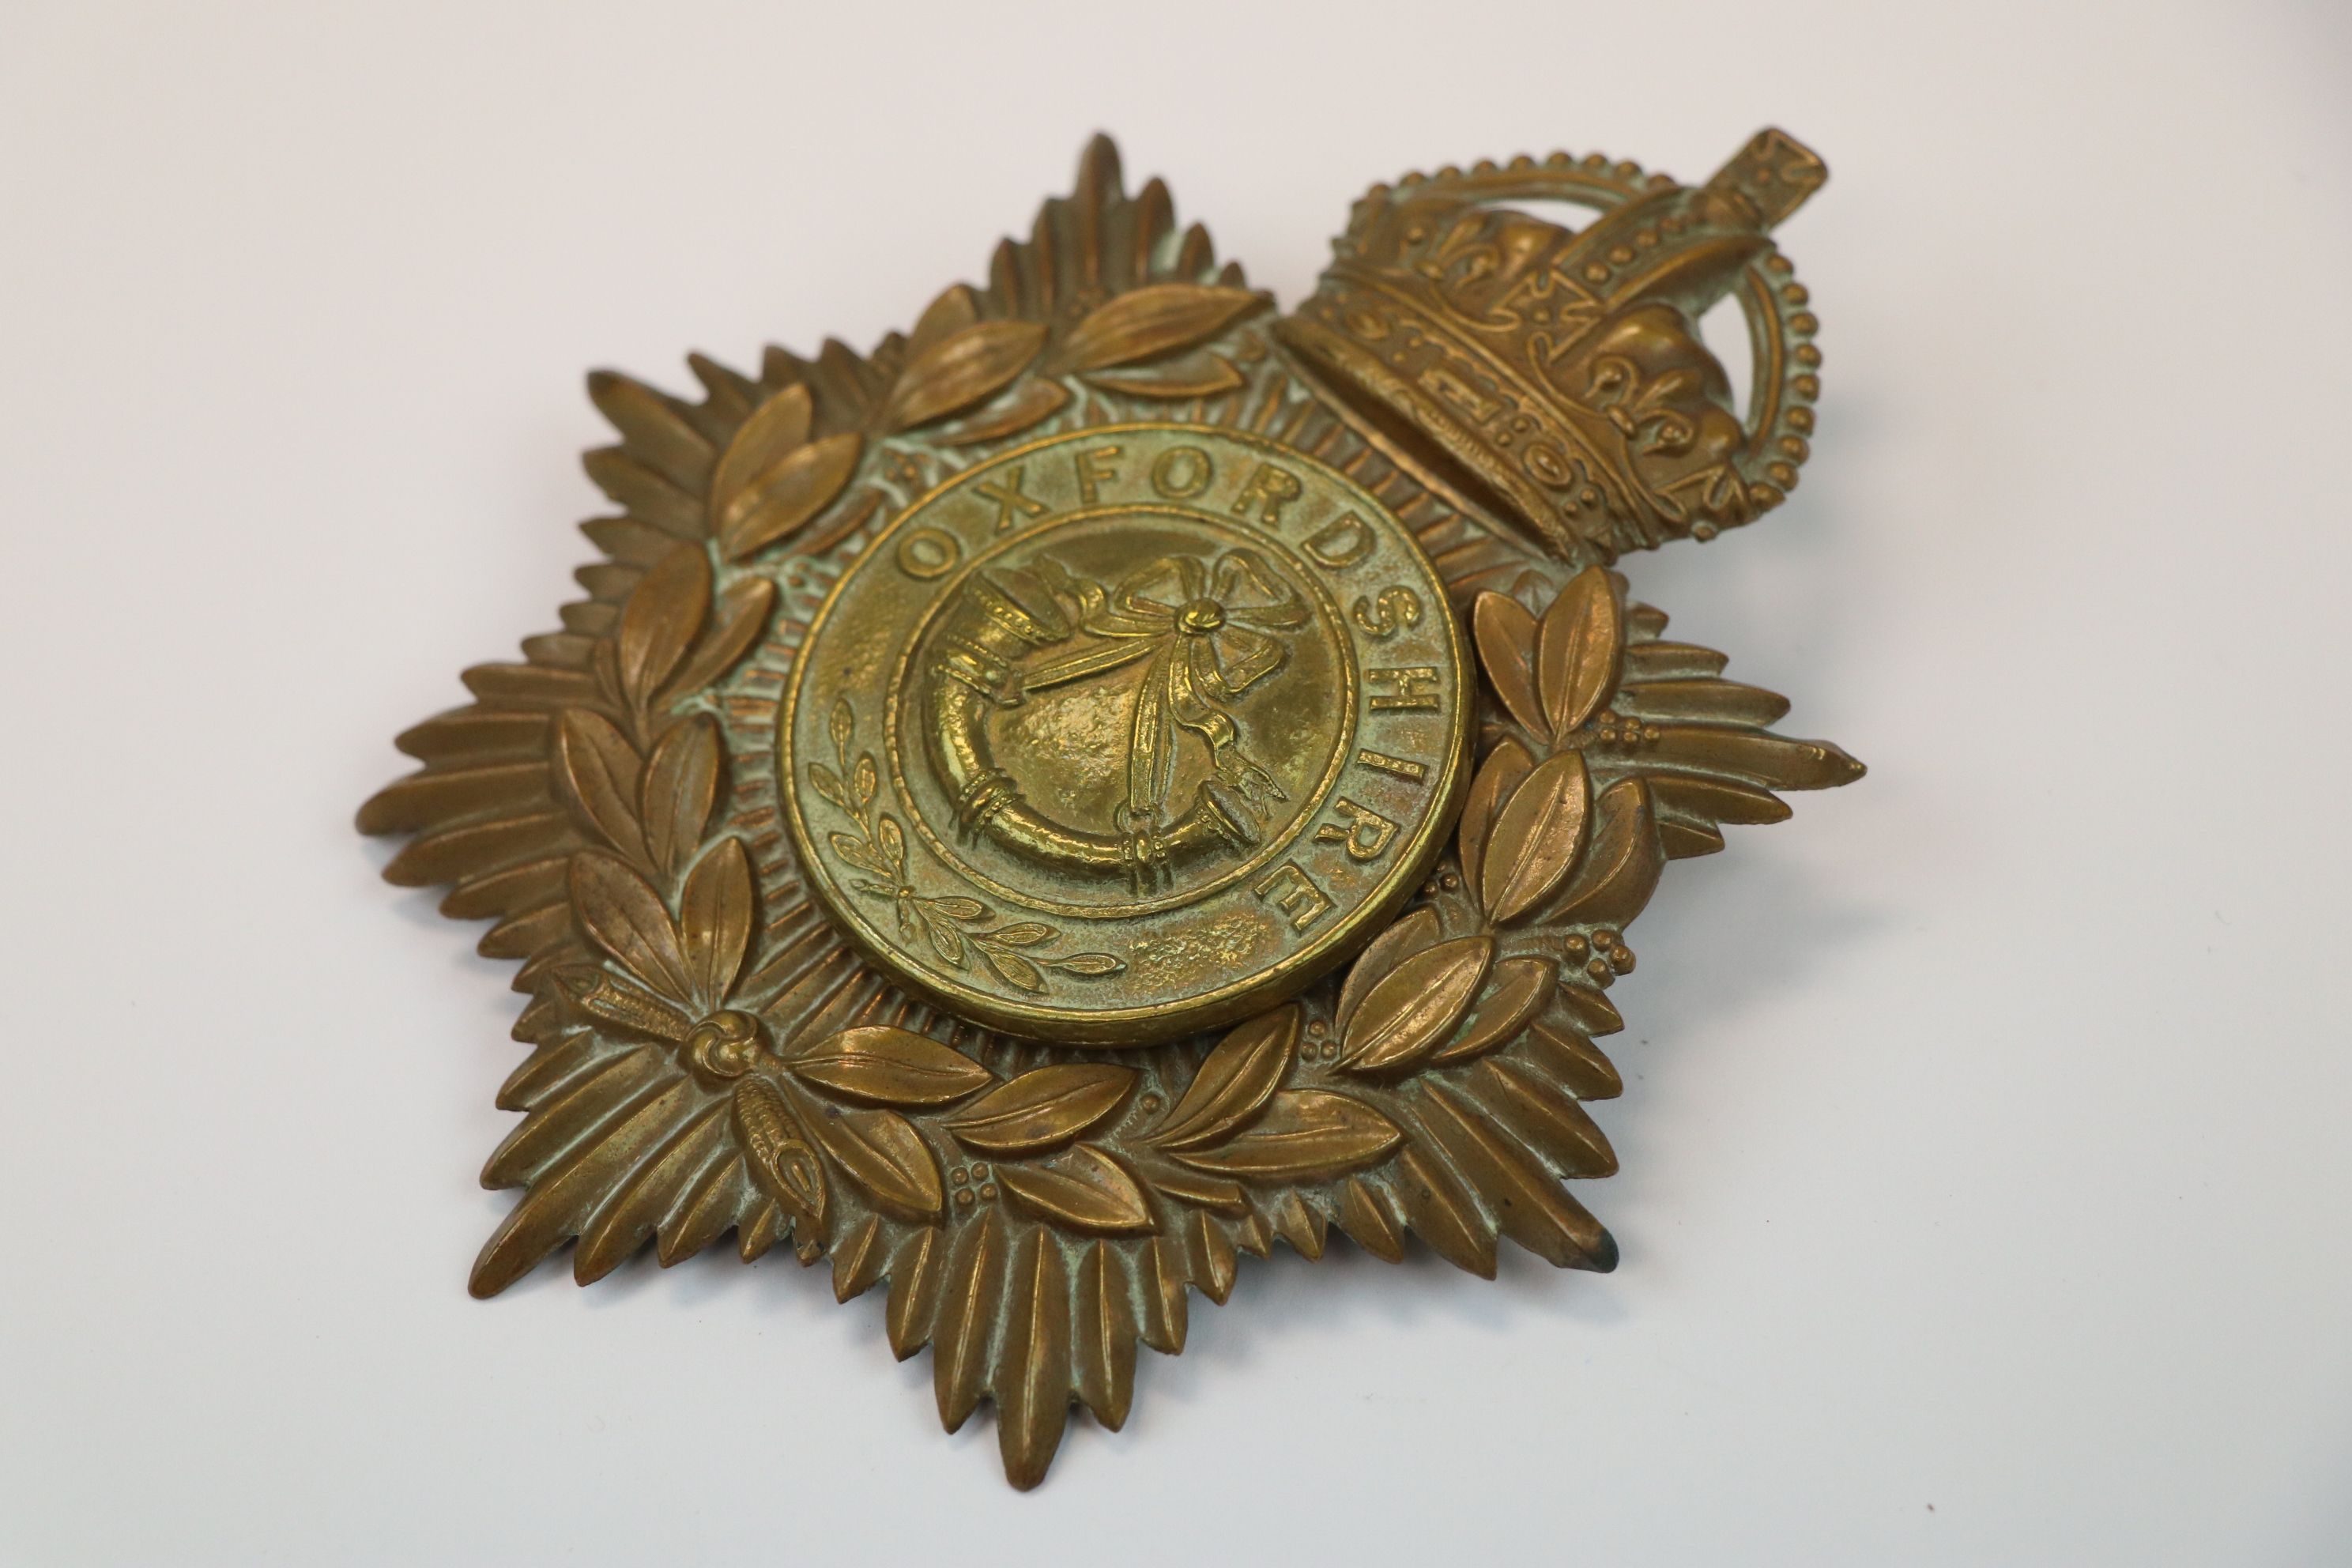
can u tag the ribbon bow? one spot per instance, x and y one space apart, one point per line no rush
1207 631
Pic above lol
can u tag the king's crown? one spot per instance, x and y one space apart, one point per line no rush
1560 377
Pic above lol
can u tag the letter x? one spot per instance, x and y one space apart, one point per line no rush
1008 495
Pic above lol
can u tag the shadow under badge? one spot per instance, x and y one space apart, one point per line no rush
1112 778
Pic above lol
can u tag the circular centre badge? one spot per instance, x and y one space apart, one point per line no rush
1127 733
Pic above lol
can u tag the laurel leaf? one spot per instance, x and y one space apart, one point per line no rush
716 915
1529 1205
541 1025
716 1202
566 1119
1366 1217
625 917
1577 649
1204 376
1152 320
970 365
852 850
629 544
1547 1120
1033 1371
1620 867
609 584
781 1163
1236 1078
1535 836
681 785
440 796
1506 635
649 496
1160 1280
1404 1017
597 770
524 934
524 887
1703 702
741 619
1445 1216
1306 1135
1508 763
763 1229
1413 933
776 429
625 1223
1081 1189
915 1272
1772 761
1034 401
1207 1253
1647 661
883 1153
784 498
576 650
1587 1010
559 1054
1716 800
1102 1337
970 1278
731 397
1567 1056
653 429
946 941
563 1197
1521 988
1015 970
1202 1192
479 847
474 735
661 618
1043 1109
858 1258
531 685
887 1066
1682 839
956 308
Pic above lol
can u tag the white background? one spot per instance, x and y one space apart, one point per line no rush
1985 1147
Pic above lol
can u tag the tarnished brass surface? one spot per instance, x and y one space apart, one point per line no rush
1109 780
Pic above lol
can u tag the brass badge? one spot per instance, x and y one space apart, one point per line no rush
1112 779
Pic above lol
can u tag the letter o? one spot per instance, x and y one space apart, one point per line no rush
1196 471
927 552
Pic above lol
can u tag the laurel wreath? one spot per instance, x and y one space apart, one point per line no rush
954 924
710 1056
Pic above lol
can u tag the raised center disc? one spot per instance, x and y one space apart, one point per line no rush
1127 733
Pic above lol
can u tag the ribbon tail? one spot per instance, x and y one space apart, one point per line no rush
1150 761
1193 686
